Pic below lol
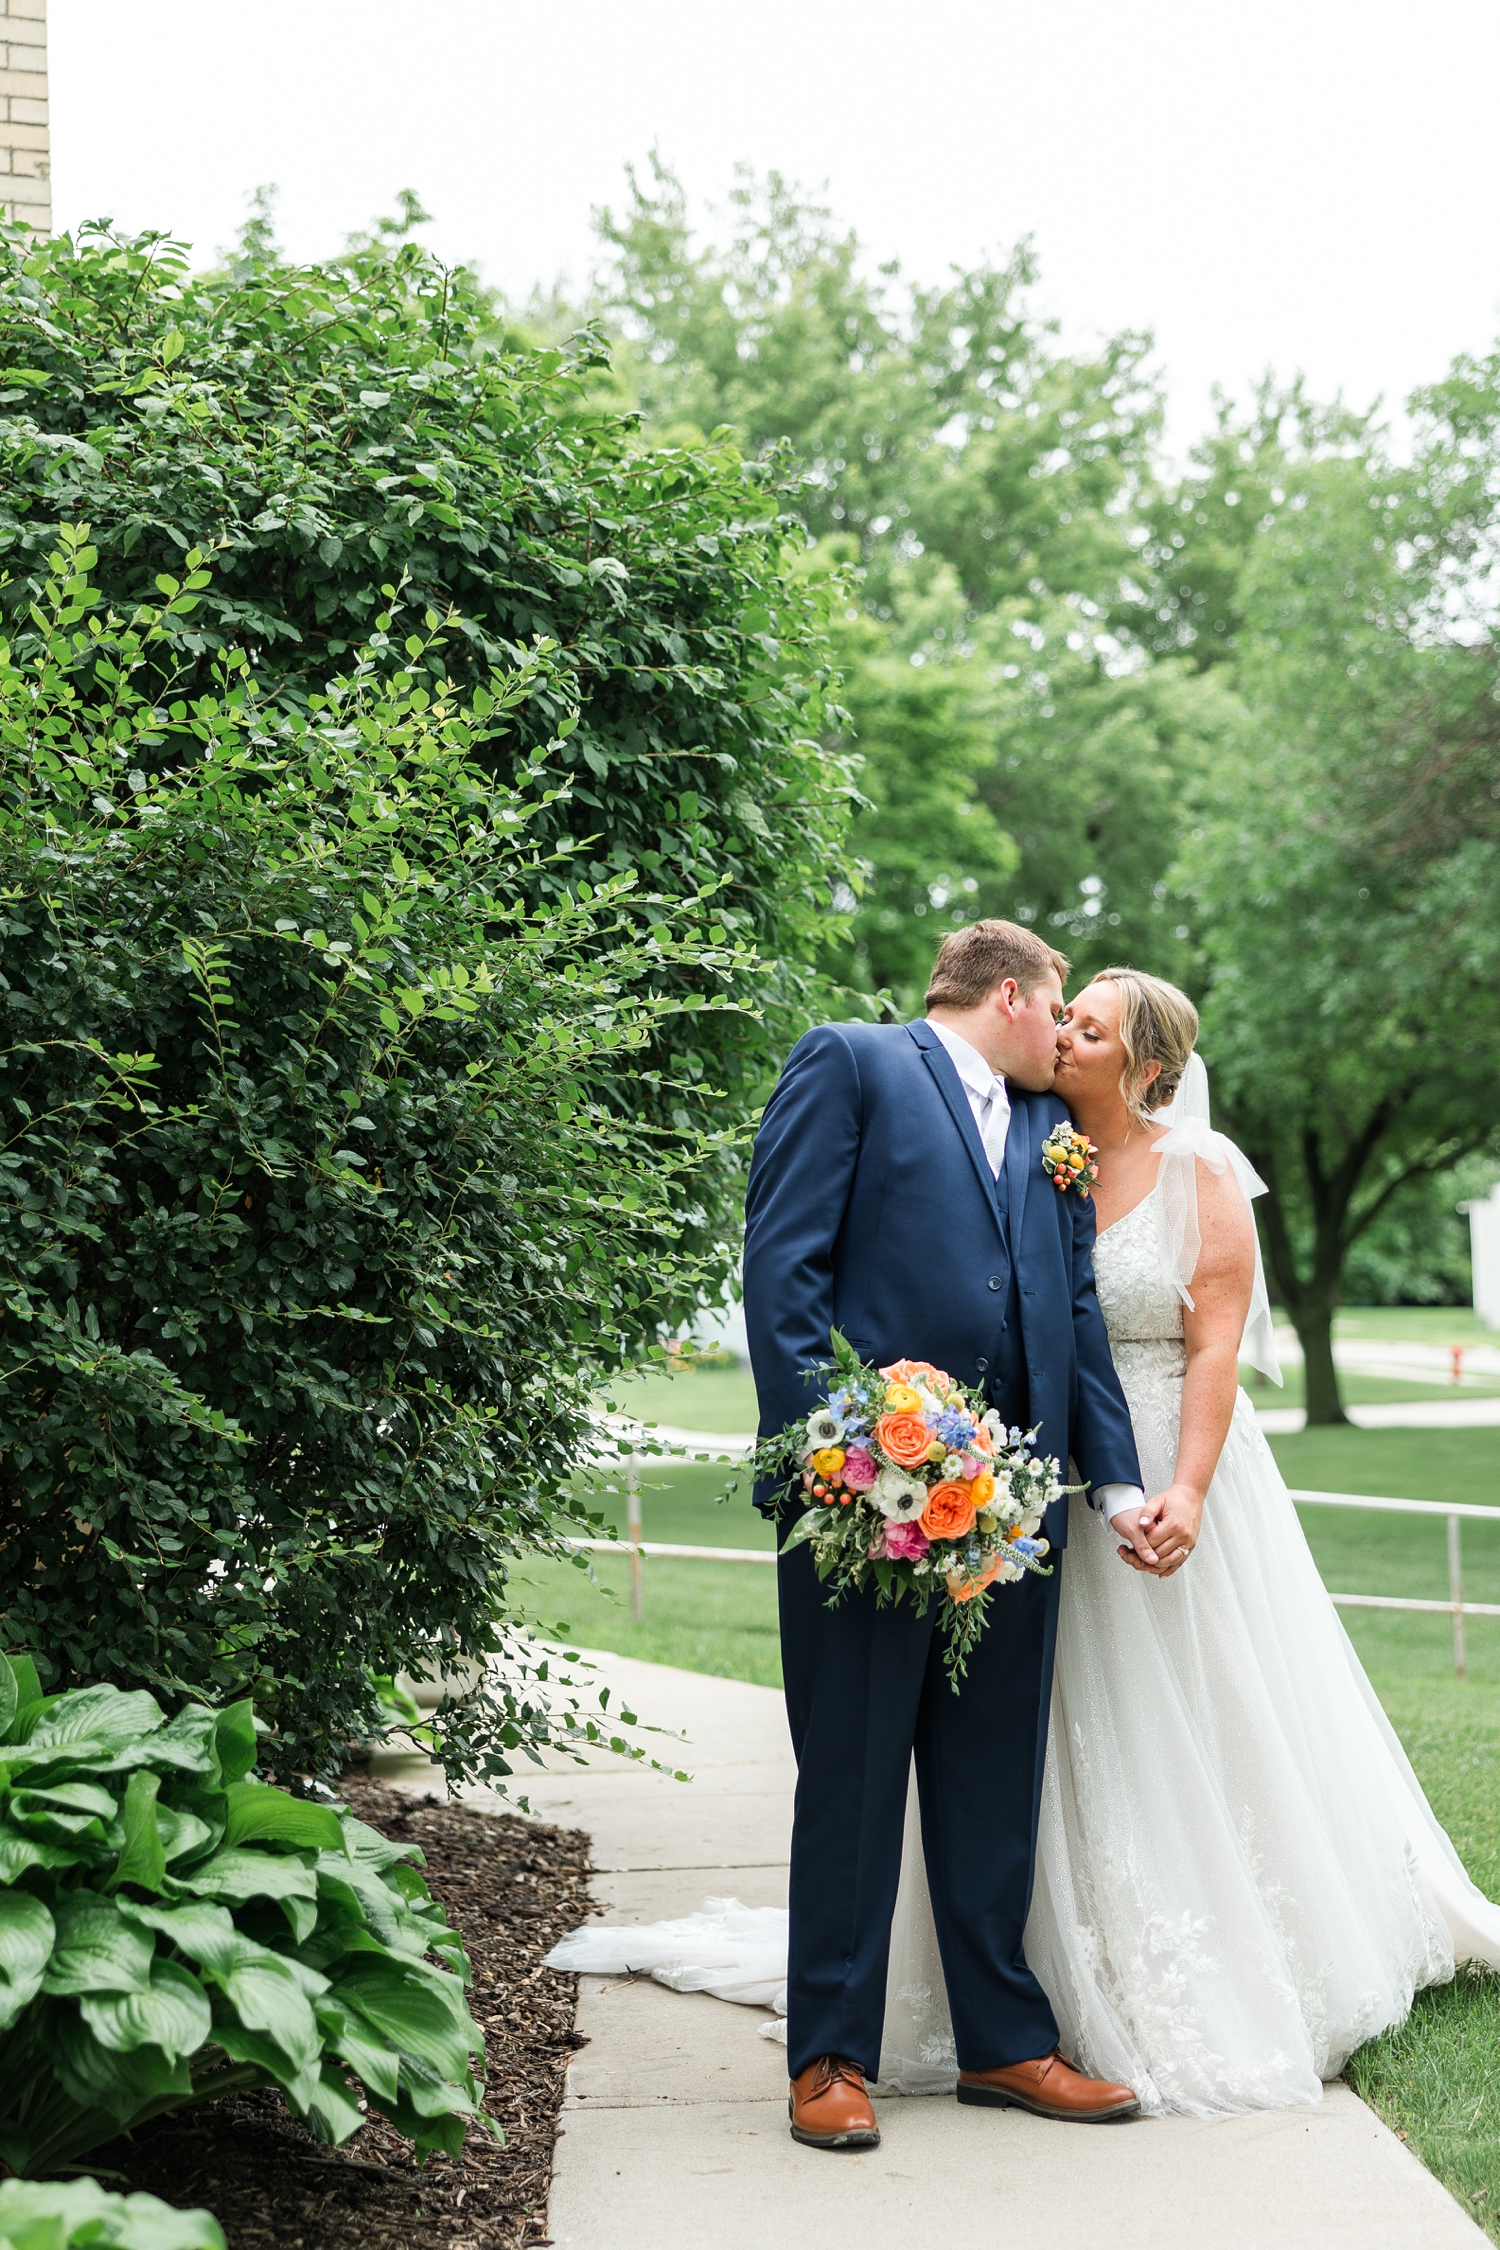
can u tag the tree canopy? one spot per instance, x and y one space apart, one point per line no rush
329 433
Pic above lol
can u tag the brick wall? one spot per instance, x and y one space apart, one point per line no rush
25 186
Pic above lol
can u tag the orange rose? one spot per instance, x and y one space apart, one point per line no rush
964 1589
904 1437
919 1371
981 1441
949 1512
982 1489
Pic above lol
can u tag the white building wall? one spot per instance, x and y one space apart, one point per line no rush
25 149
1484 1243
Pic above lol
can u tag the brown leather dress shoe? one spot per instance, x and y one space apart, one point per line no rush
829 2108
1048 2087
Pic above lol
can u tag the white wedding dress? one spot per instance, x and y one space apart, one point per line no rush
1238 1877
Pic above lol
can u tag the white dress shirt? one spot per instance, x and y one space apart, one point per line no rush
990 1104
987 1096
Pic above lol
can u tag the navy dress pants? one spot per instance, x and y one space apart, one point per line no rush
865 1689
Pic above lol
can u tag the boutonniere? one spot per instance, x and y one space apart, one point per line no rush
1068 1160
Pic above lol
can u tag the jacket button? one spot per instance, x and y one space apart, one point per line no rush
997 1281
983 1366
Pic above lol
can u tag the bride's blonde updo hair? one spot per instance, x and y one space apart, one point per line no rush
1158 1024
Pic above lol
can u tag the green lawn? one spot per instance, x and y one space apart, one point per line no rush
1414 1324
723 1398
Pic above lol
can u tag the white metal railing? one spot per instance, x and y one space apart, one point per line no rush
641 1550
1455 1606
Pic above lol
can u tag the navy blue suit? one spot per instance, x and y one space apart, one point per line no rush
871 1208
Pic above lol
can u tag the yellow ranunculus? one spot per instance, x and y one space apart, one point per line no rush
900 1398
828 1460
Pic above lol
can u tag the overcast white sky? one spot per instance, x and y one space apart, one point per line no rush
1309 184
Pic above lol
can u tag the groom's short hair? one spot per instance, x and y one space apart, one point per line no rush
972 961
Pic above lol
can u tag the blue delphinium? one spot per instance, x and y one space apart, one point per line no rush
955 1426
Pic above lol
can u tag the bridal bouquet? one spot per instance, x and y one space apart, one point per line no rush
910 1484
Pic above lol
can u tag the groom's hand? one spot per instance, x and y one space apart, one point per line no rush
1137 1550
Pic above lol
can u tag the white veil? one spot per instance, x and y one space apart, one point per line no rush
1189 1136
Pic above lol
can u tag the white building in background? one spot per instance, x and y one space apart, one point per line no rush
25 154
1484 1244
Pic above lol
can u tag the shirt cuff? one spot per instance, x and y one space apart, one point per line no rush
1113 1499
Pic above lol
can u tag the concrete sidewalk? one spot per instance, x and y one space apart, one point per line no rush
675 2120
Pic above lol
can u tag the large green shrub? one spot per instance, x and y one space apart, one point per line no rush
173 1929
326 429
81 2215
322 1204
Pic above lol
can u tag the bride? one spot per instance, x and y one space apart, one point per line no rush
1238 1878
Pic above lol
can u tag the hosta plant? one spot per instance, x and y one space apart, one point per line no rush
173 1928
72 2214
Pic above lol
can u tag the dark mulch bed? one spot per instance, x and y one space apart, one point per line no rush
512 1887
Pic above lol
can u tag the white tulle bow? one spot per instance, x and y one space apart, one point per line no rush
1189 1139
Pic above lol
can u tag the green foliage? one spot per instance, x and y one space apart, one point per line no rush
323 1198
1019 758
73 2214
1345 879
173 1928
327 431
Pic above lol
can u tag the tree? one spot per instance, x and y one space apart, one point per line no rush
326 1195
983 483
1344 878
330 432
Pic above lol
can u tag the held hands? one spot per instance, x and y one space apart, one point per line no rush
1161 1535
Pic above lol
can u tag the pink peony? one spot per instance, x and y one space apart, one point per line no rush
859 1469
905 1542
973 1465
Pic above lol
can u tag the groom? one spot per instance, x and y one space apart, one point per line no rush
897 1193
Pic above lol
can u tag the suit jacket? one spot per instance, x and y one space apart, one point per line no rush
872 1209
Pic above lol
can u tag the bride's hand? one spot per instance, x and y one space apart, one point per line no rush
1127 1526
1170 1524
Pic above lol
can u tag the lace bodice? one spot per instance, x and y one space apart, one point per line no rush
1142 1311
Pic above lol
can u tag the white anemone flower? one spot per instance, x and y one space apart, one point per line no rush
823 1428
898 1496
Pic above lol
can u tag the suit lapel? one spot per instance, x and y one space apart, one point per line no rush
951 1087
1017 1171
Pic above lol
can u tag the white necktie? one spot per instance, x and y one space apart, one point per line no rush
994 1121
